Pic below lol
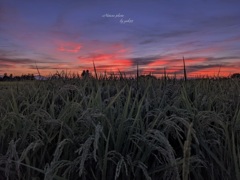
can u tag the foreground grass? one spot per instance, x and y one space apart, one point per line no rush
116 129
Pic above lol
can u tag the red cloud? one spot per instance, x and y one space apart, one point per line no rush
70 47
106 62
193 61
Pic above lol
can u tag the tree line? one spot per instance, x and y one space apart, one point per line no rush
10 77
84 74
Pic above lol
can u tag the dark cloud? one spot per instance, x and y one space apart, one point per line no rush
144 60
49 58
40 67
173 34
16 61
53 66
23 61
153 35
6 52
201 67
148 41
5 66
225 58
220 21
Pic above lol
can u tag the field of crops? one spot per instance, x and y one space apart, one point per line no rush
120 129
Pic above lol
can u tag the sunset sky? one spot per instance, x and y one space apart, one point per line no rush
69 35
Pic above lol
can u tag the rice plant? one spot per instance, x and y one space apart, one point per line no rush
120 128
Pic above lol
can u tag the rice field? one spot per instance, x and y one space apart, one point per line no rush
110 128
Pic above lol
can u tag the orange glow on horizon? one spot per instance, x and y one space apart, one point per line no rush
121 65
215 71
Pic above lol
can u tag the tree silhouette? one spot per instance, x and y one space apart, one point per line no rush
85 73
235 75
17 78
5 77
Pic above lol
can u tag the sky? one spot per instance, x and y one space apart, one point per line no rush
69 35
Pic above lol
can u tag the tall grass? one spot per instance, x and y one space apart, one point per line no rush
115 128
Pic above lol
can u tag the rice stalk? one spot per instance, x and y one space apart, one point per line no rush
187 154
